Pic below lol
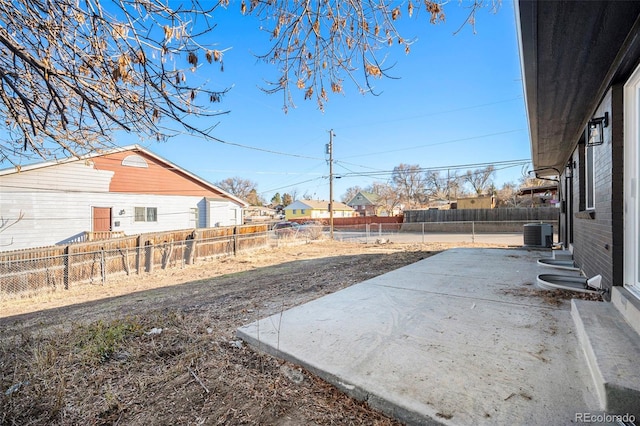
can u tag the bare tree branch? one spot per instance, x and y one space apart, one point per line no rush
480 179
317 44
8 223
72 72
241 188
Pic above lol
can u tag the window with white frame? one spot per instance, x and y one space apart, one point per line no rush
152 214
146 214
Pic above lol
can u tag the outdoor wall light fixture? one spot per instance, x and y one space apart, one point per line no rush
595 129
569 170
122 212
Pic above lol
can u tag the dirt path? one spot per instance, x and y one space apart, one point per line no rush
162 349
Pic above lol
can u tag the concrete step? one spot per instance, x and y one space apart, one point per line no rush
628 306
562 255
612 350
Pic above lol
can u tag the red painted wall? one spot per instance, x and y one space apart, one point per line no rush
157 179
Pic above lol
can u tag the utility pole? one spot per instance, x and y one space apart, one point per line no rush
330 152
448 188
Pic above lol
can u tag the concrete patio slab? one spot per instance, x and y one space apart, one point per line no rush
463 337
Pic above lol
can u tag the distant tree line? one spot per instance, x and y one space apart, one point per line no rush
247 190
410 186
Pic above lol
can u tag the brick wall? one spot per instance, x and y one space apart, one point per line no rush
597 241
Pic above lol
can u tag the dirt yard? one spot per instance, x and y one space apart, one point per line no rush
161 349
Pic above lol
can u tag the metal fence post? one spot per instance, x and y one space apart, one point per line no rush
149 253
103 266
139 255
235 240
473 232
67 267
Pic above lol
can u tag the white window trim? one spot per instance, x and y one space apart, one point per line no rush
631 273
145 216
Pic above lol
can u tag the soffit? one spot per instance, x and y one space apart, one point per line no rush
571 53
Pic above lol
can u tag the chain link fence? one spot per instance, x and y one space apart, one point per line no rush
28 277
489 232
31 276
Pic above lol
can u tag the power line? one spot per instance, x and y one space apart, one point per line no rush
500 164
377 173
436 143
430 114
292 185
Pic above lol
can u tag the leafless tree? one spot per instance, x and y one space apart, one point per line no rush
309 195
254 199
440 186
238 186
317 45
528 182
7 223
72 72
350 193
508 195
480 179
388 198
409 181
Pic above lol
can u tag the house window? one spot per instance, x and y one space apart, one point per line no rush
589 181
295 211
139 217
302 211
134 161
146 214
152 214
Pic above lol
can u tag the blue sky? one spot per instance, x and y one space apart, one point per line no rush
457 100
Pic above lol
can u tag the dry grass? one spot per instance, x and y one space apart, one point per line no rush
552 297
161 349
190 373
107 362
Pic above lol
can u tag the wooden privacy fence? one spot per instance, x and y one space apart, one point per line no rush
52 268
482 215
477 220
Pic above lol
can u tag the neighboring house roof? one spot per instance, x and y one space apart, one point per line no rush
475 197
138 153
538 189
317 205
369 197
571 53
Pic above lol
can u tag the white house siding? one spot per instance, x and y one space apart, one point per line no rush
321 214
74 177
220 212
56 203
58 217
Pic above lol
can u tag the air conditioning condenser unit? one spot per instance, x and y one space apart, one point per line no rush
538 235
